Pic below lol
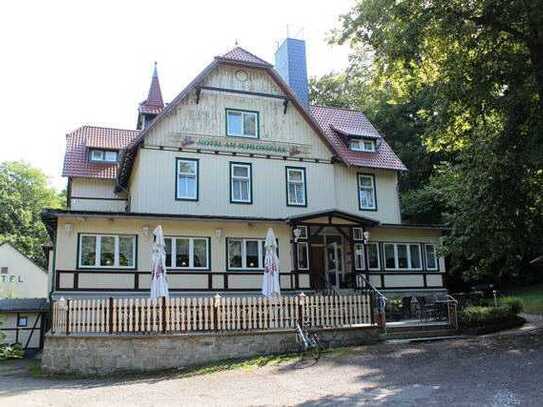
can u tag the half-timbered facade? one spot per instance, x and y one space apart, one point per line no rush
239 150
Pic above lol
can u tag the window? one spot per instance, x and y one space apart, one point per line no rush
241 123
366 192
402 256
373 256
359 256
187 252
358 234
245 254
109 156
303 232
187 179
364 145
303 256
241 183
107 251
4 270
431 257
296 189
22 322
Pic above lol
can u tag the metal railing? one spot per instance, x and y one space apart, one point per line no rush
377 298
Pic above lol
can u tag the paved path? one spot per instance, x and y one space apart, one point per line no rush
495 370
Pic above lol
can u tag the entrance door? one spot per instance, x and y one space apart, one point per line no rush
316 267
334 263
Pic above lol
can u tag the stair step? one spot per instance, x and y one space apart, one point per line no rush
410 328
419 333
423 339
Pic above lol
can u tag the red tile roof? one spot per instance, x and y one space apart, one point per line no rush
352 122
333 125
78 142
239 54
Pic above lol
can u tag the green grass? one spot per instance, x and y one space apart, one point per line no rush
531 297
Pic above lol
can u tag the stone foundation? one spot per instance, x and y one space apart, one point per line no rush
101 355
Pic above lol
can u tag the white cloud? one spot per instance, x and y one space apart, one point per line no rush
67 63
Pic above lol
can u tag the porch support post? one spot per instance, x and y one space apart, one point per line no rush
353 259
295 257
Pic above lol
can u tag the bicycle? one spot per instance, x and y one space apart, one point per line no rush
308 340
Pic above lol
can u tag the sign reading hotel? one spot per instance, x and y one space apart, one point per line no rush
239 146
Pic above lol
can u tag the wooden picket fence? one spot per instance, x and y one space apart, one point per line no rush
200 314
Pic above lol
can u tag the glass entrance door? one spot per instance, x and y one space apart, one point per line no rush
334 261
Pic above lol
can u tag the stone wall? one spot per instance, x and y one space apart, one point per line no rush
100 355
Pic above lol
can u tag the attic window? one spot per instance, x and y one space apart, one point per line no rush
106 156
365 145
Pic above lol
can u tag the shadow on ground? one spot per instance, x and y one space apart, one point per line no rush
496 371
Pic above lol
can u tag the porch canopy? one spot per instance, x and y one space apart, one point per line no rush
331 217
326 250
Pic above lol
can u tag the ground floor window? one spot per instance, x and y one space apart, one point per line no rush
245 253
187 252
373 256
303 256
359 263
107 251
431 258
22 322
402 256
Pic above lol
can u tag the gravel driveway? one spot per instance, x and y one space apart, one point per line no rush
505 370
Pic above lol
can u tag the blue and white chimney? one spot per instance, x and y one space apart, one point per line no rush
291 64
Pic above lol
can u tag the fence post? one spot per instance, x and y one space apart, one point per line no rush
216 303
301 301
163 310
110 305
68 316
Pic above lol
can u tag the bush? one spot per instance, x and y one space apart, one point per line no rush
477 316
513 304
11 352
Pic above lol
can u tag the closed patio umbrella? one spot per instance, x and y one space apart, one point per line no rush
159 281
270 280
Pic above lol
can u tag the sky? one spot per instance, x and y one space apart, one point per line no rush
68 63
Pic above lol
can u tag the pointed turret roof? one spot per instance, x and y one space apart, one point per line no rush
154 103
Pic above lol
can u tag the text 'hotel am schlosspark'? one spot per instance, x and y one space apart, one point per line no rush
238 151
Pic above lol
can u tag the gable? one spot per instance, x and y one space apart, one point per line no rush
199 120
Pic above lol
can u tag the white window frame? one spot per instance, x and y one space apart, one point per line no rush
244 253
243 113
396 258
373 191
358 234
98 251
362 145
196 176
103 153
362 265
301 170
378 256
436 260
298 256
191 239
248 179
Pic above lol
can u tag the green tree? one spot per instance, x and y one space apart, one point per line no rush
474 71
24 192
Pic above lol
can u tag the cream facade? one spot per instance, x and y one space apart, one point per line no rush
19 276
216 193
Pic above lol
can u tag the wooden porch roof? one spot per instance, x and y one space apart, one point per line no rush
332 217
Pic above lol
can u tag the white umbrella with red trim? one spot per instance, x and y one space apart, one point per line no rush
270 280
159 280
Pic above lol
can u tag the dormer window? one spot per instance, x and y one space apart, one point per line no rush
365 145
103 156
